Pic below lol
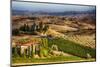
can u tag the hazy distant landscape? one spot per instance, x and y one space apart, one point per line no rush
42 35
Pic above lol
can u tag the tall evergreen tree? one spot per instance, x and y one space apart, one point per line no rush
33 27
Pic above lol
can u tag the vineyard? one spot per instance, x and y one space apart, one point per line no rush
73 48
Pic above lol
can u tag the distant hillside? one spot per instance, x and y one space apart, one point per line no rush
65 13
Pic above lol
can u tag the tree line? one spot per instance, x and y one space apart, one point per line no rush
30 29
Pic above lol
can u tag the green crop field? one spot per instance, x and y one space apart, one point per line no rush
73 48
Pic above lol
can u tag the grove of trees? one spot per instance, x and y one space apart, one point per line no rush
31 29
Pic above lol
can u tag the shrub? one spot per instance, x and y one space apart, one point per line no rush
43 52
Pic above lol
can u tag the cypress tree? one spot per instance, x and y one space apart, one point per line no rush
33 27
32 50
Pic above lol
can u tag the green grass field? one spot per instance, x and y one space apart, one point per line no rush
51 59
39 60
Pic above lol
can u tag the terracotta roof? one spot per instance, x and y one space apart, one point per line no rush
26 44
